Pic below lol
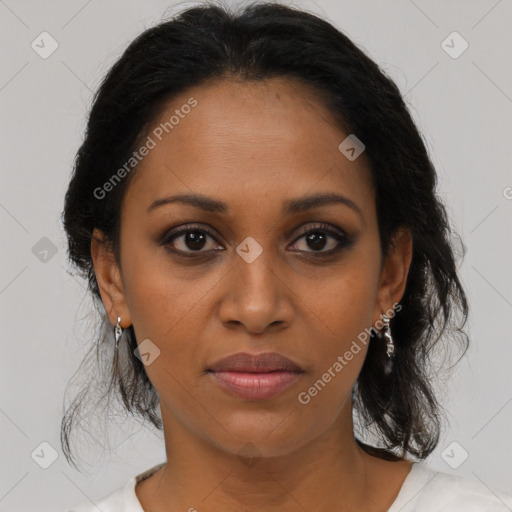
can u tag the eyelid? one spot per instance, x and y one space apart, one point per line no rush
333 231
322 226
191 226
343 241
174 233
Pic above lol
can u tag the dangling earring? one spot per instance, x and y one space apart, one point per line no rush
390 347
118 330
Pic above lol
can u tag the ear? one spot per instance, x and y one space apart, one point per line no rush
109 280
394 274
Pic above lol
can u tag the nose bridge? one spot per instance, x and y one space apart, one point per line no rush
255 268
256 297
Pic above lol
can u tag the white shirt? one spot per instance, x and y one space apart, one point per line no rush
423 490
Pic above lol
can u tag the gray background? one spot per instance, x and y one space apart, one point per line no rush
463 107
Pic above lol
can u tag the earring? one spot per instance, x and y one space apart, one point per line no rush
118 330
390 347
386 333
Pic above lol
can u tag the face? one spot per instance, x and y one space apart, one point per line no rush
250 265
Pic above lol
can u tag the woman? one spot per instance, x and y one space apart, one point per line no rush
256 211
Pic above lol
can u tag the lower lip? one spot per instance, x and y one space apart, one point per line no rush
255 386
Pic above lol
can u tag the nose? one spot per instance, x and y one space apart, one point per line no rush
257 297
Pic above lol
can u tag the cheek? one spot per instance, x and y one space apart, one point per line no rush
343 302
340 309
166 314
156 296
169 309
340 351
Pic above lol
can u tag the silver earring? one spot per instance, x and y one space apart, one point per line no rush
118 330
390 347
386 333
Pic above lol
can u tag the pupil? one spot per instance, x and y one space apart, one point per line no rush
195 240
316 240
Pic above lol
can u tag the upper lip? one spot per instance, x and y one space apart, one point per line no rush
259 363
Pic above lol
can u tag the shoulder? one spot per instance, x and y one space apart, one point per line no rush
114 502
123 499
428 490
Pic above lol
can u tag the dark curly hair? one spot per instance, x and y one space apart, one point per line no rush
261 41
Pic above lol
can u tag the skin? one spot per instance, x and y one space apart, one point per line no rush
254 146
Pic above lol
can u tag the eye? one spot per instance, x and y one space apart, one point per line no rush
317 239
189 239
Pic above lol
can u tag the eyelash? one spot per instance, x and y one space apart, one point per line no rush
344 241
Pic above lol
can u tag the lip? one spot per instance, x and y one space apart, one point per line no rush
255 377
255 386
258 363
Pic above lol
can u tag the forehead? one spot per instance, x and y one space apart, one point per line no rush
247 142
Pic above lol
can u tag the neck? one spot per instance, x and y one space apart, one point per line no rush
329 472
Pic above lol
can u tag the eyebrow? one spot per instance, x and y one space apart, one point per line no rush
290 206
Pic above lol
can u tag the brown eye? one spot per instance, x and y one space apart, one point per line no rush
318 238
190 239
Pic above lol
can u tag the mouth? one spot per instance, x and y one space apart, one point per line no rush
255 386
255 377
